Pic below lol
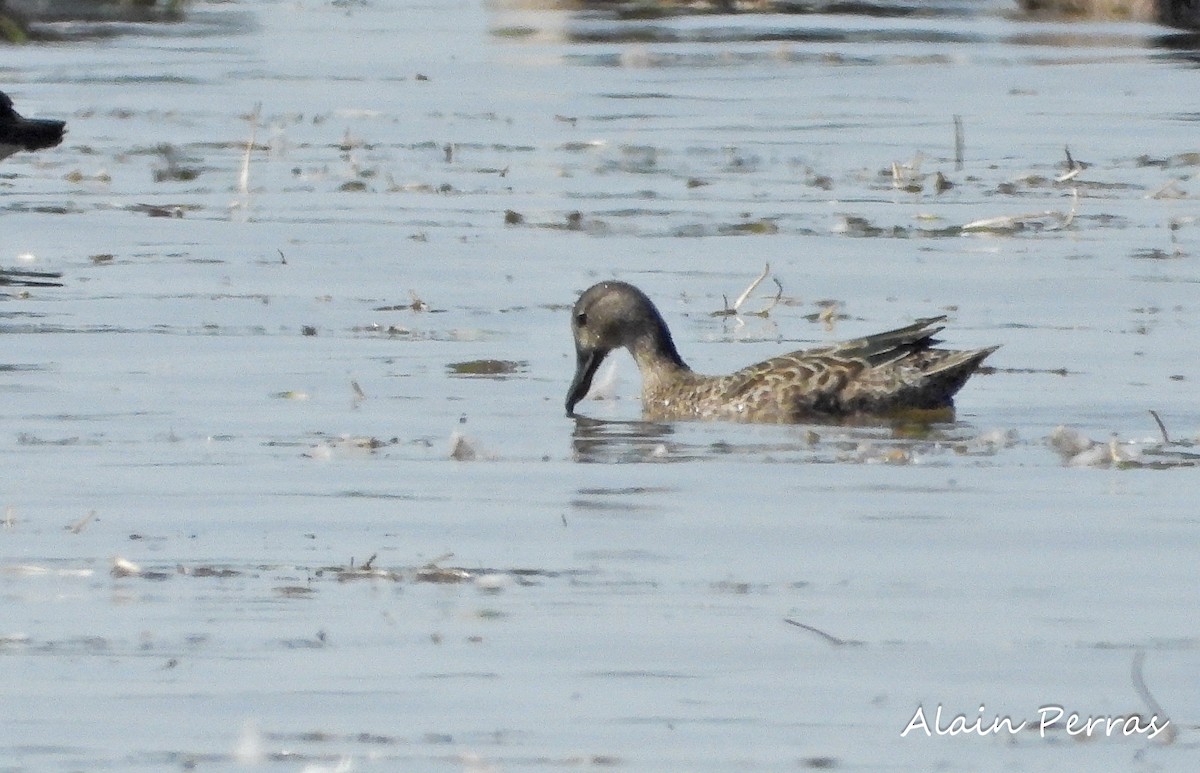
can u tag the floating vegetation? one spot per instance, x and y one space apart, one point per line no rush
1077 450
174 166
1048 220
487 368
572 221
828 315
1169 190
735 310
347 445
1191 158
442 576
416 303
992 441
462 449
366 571
81 524
206 570
1154 253
162 210
27 439
856 225
487 580
753 227
122 567
907 176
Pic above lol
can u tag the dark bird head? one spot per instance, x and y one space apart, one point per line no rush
608 316
20 133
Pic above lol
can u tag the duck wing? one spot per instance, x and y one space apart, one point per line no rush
894 369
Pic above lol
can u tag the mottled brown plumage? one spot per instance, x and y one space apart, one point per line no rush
884 374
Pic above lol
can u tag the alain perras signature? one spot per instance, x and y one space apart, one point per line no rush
1049 717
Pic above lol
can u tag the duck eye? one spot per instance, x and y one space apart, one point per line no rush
581 319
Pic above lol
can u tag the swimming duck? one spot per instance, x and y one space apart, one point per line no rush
20 133
890 373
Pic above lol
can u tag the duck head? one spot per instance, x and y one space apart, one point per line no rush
608 316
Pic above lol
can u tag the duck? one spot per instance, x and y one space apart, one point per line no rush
20 133
897 373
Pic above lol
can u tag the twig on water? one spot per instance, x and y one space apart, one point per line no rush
1050 220
835 641
746 293
1161 427
244 179
1074 206
774 301
737 304
366 571
959 143
1073 168
827 316
1139 686
79 525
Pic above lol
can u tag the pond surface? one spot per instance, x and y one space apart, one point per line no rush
288 483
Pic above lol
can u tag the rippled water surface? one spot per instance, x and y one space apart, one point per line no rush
288 483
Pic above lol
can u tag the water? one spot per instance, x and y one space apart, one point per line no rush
599 593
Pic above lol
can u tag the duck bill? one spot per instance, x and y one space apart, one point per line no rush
586 363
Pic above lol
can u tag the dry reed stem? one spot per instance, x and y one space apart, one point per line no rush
244 179
737 304
746 293
1161 427
959 143
1139 686
835 641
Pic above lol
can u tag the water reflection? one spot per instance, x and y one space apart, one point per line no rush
951 23
616 22
16 277
616 442
897 442
23 21
639 9
1181 47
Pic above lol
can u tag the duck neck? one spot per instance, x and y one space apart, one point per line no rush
655 354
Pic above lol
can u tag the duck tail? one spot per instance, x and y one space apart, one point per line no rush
943 377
